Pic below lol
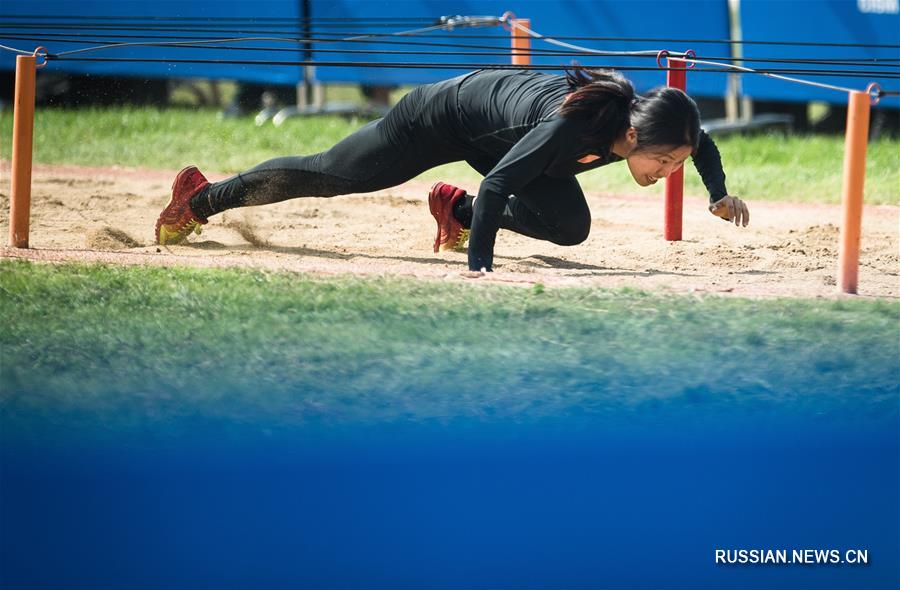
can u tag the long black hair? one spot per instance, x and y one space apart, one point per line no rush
662 117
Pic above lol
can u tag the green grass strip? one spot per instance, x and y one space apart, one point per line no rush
766 167
134 343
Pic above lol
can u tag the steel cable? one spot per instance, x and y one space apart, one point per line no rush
492 50
451 66
213 45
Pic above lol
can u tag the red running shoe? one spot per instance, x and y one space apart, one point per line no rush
451 235
177 221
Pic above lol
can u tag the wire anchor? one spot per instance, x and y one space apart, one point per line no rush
40 53
458 21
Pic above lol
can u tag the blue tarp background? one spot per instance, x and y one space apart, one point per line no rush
833 21
563 17
818 21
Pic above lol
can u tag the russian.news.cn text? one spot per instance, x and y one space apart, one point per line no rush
853 557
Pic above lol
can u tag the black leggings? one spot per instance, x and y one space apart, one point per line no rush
389 152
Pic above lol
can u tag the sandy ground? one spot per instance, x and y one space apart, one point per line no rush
108 215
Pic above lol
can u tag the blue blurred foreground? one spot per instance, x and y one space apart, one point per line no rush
610 499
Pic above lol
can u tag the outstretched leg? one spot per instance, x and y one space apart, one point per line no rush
370 159
380 155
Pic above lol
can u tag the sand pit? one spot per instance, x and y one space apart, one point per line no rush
107 215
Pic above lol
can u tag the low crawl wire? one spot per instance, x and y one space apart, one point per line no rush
466 21
434 65
483 21
493 50
535 52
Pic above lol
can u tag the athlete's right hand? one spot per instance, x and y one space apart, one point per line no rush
731 209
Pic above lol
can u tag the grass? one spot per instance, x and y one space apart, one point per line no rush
773 167
133 344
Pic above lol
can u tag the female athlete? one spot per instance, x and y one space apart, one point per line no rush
528 133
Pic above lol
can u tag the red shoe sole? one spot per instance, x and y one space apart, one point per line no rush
434 204
178 177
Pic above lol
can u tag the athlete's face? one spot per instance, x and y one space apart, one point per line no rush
650 164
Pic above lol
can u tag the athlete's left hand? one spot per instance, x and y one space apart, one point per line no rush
731 209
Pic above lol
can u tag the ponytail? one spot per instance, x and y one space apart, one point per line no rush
604 98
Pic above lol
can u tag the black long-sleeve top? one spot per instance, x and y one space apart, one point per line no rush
513 118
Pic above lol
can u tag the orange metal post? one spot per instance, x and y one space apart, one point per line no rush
676 78
852 196
521 42
23 134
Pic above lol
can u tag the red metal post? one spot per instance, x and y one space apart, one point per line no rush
676 78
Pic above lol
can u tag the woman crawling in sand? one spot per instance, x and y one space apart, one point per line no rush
528 133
